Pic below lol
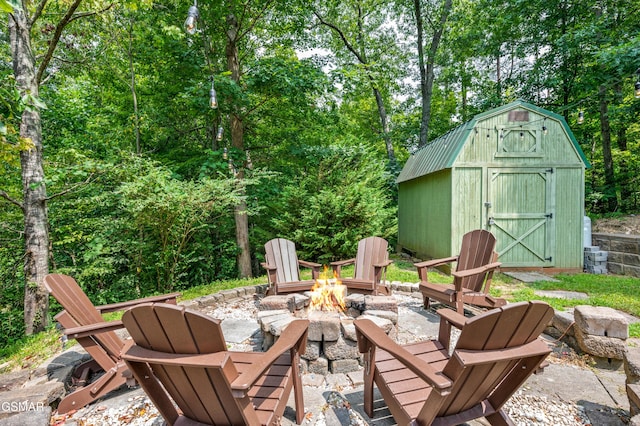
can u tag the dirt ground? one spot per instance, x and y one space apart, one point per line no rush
620 225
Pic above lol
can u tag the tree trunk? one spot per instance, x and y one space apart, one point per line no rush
424 121
134 95
605 130
427 74
498 79
361 56
624 175
463 94
384 122
237 140
36 297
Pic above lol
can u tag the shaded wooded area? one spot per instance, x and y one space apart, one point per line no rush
116 170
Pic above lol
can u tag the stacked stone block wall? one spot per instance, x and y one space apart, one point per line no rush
595 260
623 252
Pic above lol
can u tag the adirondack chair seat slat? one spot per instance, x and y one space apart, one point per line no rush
495 353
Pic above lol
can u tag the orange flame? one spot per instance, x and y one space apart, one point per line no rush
328 294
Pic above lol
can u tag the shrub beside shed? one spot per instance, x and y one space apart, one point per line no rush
516 171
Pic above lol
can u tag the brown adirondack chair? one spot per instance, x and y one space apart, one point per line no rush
283 268
475 266
370 267
83 321
180 357
423 385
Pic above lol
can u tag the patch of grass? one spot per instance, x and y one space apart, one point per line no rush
621 293
30 350
617 292
217 286
634 329
402 272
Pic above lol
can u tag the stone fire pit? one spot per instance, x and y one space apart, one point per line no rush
331 342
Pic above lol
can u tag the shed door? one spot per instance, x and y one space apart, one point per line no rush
520 214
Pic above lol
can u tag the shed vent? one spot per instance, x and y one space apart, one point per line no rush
519 115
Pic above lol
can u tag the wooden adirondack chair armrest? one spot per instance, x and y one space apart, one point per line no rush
475 271
471 272
435 262
383 264
343 262
315 267
163 298
307 264
91 329
423 267
452 317
294 336
268 267
448 319
338 264
369 334
135 353
487 356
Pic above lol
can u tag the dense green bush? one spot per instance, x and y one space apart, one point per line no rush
138 230
340 197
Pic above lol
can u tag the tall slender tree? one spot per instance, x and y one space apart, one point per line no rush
359 26
30 71
427 64
28 74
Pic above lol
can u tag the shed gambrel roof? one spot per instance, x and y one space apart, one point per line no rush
441 153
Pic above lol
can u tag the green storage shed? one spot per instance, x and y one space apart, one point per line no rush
516 171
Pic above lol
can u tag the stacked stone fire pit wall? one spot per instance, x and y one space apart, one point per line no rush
624 252
331 341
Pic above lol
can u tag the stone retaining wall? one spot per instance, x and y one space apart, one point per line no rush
624 252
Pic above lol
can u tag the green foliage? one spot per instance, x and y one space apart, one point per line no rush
11 262
634 329
219 285
11 305
137 230
11 107
339 199
167 214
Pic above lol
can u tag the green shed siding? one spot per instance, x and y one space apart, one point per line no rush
569 217
468 195
426 207
517 171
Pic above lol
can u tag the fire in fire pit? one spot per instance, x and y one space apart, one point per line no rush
331 339
328 294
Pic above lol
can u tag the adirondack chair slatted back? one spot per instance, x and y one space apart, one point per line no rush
282 253
371 251
202 393
201 389
79 311
509 327
477 250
